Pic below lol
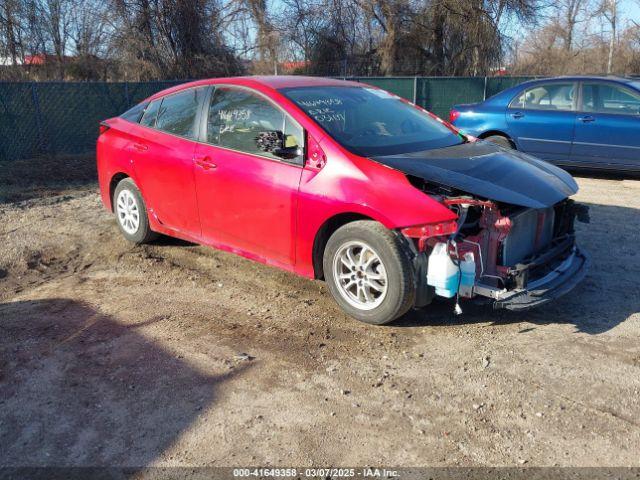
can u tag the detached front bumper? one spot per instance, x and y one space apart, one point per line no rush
562 279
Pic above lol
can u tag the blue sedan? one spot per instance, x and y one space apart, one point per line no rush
591 122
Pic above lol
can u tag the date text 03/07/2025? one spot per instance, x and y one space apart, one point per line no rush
367 472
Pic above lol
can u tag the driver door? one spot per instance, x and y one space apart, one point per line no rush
247 197
607 126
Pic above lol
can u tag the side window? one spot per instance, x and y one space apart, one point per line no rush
607 98
237 116
150 114
177 113
553 96
293 134
134 114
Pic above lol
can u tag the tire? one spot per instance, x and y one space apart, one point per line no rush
126 195
386 300
500 140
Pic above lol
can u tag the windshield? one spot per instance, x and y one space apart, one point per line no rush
371 122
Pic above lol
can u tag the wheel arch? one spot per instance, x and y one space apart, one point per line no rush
324 233
499 133
490 133
113 183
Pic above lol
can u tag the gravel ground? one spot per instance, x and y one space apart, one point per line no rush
173 354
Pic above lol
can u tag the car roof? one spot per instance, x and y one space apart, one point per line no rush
274 82
291 81
511 91
576 78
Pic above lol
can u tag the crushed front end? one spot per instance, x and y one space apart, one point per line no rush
516 257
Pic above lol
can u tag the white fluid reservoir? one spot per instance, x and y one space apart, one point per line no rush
442 273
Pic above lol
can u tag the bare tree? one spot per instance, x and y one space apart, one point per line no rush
616 49
154 39
56 25
266 35
10 40
569 14
609 10
170 39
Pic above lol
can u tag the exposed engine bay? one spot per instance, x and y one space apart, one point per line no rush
510 254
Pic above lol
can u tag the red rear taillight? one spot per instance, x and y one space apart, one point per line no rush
103 127
453 115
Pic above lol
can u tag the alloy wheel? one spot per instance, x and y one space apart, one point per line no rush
128 212
360 275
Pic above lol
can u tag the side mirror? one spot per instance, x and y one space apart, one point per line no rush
273 141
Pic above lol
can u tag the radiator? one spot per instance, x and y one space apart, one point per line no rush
531 231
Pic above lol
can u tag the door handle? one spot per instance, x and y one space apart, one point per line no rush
140 147
587 119
517 115
204 161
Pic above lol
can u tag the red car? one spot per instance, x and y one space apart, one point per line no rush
344 182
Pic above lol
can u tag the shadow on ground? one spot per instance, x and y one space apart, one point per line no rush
79 388
606 297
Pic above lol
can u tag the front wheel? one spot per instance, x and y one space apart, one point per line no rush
368 272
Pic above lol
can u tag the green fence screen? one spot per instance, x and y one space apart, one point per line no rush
58 118
402 86
61 118
438 95
498 84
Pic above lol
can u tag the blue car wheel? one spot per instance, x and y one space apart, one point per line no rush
502 141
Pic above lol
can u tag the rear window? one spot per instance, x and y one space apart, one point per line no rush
134 114
150 114
551 96
177 114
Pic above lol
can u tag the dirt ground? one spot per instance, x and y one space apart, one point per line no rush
173 354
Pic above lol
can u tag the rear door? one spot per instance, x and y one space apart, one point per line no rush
248 197
607 132
162 153
541 120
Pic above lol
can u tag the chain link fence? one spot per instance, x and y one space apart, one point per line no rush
61 118
439 94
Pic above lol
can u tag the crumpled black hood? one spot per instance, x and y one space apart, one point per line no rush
488 171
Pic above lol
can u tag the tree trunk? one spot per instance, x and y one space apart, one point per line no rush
612 41
388 44
438 39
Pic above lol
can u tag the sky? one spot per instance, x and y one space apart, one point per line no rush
630 10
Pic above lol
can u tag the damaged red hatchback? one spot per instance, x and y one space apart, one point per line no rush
344 182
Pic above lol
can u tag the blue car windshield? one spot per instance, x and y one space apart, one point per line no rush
371 122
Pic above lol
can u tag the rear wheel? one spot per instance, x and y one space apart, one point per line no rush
368 272
501 140
131 213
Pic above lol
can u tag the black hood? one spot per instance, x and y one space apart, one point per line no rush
488 171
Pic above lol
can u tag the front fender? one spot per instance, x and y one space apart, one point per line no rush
356 185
